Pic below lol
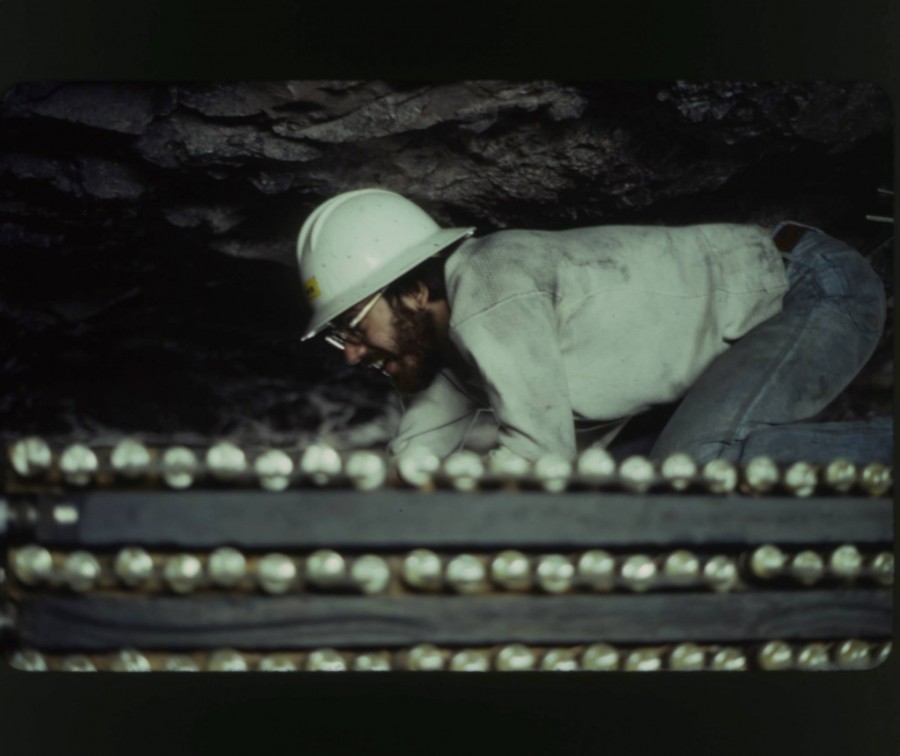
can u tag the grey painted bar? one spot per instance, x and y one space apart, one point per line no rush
303 621
406 519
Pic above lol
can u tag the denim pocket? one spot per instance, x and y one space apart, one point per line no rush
841 277
863 297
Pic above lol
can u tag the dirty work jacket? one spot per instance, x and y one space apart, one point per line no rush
594 323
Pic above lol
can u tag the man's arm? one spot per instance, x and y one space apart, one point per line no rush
515 346
437 418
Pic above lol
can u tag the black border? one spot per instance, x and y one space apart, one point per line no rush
784 713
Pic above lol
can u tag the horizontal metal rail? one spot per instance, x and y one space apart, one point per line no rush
88 623
408 519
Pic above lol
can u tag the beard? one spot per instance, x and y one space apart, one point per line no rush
416 350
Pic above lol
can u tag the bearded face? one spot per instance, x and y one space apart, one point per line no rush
415 360
401 339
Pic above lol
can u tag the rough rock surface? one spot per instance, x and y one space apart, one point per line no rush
147 230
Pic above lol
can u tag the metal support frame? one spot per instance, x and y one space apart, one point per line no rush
398 519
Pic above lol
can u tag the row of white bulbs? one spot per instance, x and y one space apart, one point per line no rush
594 570
775 655
179 467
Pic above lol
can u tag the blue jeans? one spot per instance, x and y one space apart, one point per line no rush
752 399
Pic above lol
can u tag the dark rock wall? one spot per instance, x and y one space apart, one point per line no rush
147 230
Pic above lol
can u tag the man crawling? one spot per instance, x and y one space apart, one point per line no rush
752 332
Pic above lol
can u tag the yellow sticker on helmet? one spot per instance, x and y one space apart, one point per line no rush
311 289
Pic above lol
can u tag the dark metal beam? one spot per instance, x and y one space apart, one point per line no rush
87 623
404 519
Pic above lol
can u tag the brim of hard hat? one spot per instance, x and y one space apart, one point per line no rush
391 272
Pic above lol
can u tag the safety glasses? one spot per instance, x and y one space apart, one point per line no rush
341 335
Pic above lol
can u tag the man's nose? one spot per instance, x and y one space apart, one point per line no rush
353 353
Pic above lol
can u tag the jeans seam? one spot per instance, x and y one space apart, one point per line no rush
757 394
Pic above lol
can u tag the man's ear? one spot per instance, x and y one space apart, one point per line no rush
418 299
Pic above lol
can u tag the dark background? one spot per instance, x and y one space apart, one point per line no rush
639 43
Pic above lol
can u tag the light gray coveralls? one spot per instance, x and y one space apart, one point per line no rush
603 323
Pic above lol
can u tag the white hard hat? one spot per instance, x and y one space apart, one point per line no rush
357 243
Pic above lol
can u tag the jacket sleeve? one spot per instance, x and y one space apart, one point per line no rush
515 347
437 418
